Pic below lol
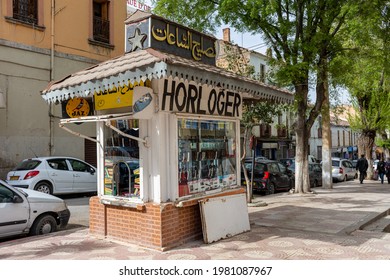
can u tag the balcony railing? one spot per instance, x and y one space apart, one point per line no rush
101 30
26 11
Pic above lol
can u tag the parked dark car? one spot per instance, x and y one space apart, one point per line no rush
269 176
315 174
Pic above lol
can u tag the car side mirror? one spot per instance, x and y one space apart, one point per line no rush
17 199
91 170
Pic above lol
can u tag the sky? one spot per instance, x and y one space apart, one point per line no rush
245 40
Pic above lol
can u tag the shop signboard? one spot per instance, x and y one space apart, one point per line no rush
133 5
117 96
76 107
171 38
183 96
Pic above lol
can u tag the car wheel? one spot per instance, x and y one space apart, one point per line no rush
271 188
43 225
44 187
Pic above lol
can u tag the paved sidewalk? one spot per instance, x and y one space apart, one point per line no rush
327 225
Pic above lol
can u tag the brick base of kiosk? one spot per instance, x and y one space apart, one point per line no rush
157 226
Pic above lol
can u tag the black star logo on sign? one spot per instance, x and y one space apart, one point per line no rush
137 41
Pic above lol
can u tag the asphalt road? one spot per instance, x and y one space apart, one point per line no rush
79 210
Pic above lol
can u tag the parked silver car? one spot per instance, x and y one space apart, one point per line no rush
54 175
343 170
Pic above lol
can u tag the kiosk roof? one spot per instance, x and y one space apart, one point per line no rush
152 64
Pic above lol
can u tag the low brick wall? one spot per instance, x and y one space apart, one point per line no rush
157 226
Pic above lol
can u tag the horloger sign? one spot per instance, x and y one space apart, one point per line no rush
182 96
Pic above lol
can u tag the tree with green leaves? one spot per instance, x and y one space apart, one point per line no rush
368 75
304 36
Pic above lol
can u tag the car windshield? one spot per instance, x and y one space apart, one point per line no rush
336 163
27 164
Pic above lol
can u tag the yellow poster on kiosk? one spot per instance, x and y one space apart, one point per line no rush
117 96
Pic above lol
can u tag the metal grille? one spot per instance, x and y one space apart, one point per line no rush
101 30
26 10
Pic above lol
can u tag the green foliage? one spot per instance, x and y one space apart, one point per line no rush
367 61
383 142
372 114
199 15
255 112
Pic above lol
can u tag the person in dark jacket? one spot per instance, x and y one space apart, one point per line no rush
362 166
387 168
381 169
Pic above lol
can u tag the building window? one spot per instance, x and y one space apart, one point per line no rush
26 11
343 138
319 152
319 132
121 162
207 155
262 73
338 138
101 23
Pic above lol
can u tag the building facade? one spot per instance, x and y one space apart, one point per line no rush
42 41
344 140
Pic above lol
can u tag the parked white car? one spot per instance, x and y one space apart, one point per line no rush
343 170
30 212
54 175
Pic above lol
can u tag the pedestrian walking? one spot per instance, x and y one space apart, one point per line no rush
362 166
381 169
387 167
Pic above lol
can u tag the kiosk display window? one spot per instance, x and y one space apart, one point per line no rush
207 155
121 162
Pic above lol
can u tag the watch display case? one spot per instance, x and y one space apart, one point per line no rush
207 158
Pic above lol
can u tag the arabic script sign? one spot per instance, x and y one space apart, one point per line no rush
116 96
171 38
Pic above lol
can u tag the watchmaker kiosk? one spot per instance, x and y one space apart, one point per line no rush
167 136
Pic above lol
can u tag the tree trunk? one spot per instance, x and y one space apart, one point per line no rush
249 192
327 180
366 142
302 183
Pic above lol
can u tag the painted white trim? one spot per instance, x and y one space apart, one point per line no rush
85 89
100 158
111 117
